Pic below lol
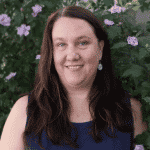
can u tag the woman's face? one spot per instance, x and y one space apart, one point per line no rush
64 50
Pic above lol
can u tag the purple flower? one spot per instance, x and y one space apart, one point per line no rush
38 56
10 75
117 9
23 30
85 0
5 20
132 40
34 14
108 22
37 9
113 10
139 147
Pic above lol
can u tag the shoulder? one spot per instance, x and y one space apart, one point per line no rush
22 104
139 125
23 100
15 125
135 104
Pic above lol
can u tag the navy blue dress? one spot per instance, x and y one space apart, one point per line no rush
124 141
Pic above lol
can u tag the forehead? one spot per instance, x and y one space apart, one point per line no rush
72 28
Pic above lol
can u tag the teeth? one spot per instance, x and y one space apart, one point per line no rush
74 67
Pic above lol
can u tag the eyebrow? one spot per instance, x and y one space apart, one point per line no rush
80 37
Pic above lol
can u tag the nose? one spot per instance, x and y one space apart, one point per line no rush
72 56
72 53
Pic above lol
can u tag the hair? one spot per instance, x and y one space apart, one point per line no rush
49 104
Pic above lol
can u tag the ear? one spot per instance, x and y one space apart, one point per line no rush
101 46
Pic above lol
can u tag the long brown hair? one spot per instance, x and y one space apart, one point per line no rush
49 105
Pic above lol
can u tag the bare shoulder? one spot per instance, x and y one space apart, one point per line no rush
20 105
135 105
139 125
14 126
23 102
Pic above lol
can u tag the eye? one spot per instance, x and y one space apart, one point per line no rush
85 42
59 44
79 42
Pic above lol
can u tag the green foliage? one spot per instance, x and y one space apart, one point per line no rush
131 63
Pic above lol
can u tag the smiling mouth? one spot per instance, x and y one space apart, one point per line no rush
74 68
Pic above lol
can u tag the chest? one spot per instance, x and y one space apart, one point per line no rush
83 115
80 118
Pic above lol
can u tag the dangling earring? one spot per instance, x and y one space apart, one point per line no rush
100 67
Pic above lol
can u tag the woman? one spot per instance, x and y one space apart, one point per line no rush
76 88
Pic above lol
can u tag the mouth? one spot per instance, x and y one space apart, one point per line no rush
75 68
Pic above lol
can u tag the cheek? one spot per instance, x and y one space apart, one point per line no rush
57 59
93 60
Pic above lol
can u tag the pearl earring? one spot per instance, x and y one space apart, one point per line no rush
100 67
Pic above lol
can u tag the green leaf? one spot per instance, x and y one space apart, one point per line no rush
27 68
142 53
148 66
136 8
36 69
120 2
138 33
13 86
113 31
135 71
119 45
147 99
48 4
145 84
18 18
